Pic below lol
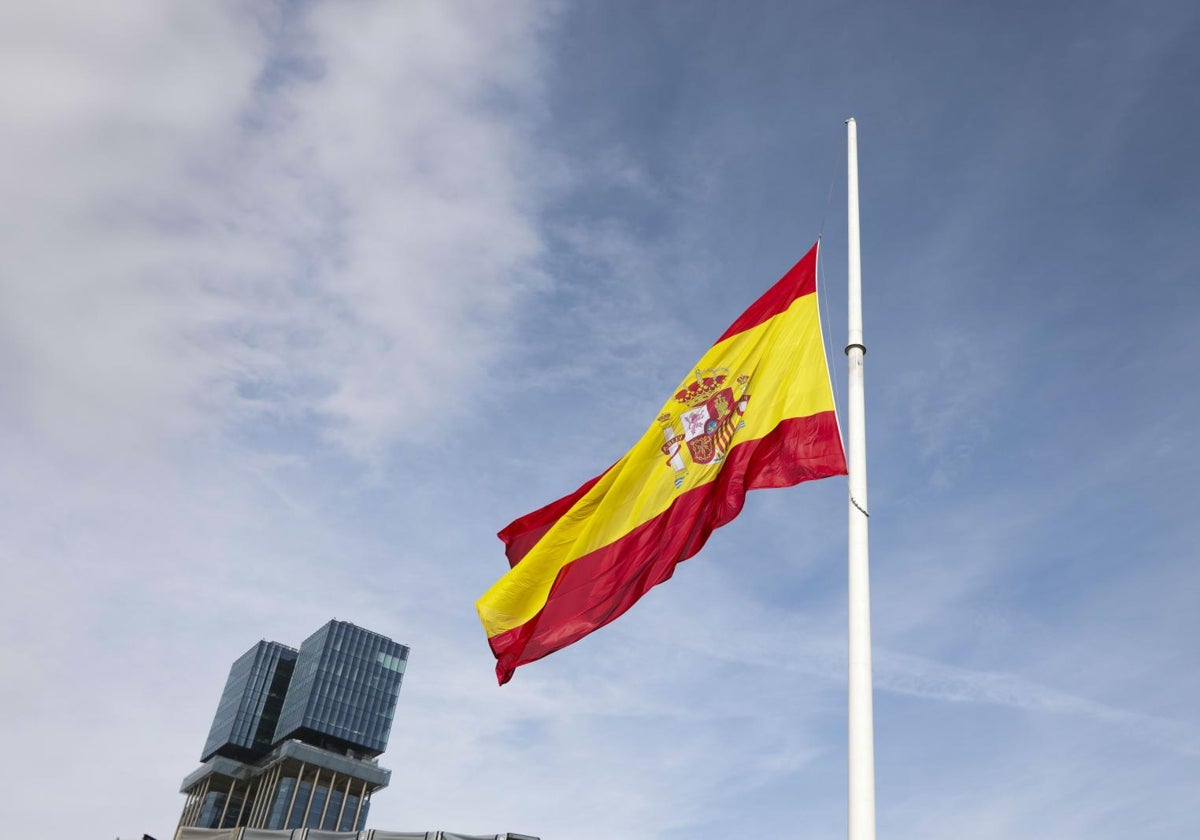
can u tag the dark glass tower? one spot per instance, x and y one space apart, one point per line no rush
247 714
296 734
343 693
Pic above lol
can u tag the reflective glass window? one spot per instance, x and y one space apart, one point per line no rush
283 795
211 811
331 813
347 823
318 805
298 809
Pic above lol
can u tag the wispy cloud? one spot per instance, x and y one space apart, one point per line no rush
334 226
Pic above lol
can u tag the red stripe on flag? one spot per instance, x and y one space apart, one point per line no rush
801 280
598 587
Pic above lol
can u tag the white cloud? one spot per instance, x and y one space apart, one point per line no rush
211 217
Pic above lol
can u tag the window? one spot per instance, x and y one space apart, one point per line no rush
334 809
318 805
283 795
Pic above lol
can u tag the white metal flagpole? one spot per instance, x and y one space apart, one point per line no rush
861 755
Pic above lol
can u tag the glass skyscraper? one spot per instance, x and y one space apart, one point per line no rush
344 689
296 735
244 726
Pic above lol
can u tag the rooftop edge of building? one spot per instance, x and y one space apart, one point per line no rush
185 833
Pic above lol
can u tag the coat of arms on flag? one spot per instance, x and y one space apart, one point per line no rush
709 420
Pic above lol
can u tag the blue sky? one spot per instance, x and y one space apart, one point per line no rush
301 302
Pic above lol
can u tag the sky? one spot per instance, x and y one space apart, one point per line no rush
300 303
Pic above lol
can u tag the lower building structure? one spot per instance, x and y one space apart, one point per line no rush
295 786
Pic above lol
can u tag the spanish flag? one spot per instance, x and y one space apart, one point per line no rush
757 411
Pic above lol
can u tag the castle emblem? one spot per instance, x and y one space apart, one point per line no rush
709 416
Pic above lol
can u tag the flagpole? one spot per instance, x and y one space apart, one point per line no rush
861 754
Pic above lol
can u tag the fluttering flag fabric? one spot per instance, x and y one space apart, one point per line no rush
757 411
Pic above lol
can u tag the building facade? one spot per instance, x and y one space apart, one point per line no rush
247 714
344 689
297 734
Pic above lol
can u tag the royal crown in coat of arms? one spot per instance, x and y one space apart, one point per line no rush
710 415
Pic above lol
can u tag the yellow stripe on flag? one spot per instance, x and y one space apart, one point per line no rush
784 361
